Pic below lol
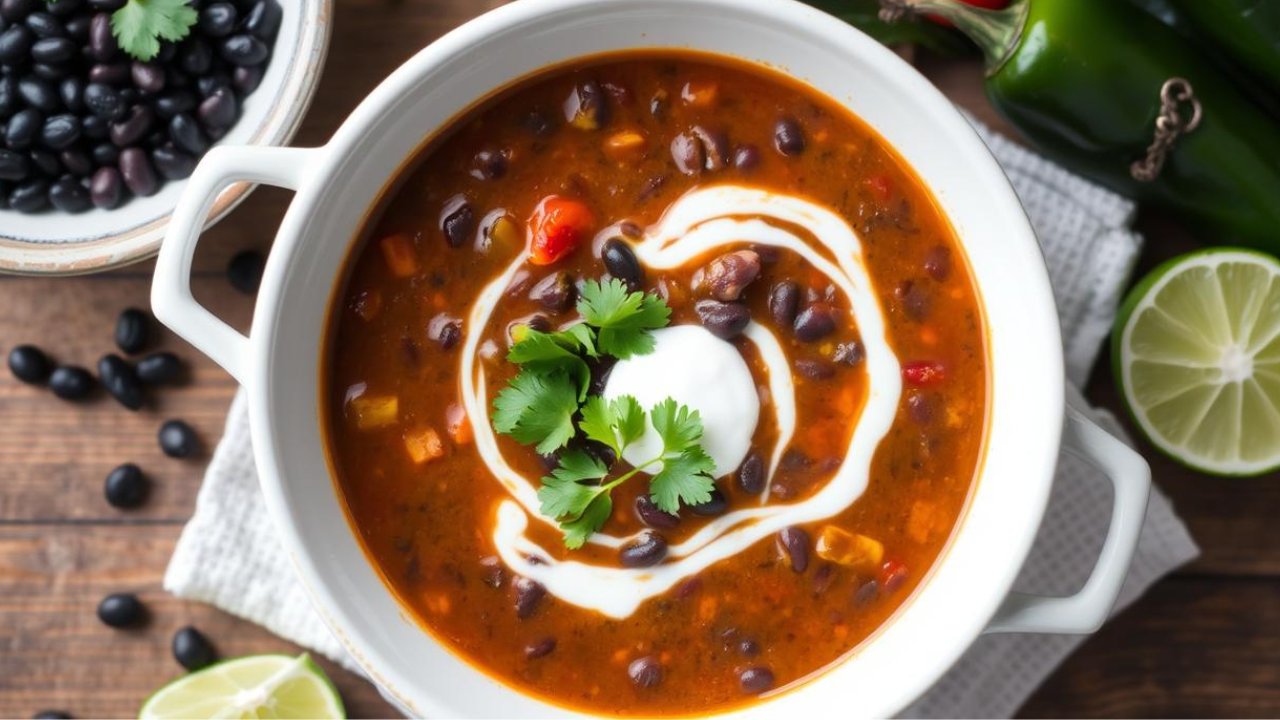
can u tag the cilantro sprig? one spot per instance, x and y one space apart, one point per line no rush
547 405
140 25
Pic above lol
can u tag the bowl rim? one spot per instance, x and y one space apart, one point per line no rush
142 242
1019 531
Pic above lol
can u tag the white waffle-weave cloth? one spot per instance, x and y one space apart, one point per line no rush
229 556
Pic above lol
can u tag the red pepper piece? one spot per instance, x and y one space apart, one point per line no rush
922 373
558 226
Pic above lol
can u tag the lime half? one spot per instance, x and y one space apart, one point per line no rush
257 686
1196 351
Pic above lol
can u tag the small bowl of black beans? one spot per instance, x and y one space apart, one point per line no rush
107 106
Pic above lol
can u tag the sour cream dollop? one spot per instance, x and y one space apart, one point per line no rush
697 369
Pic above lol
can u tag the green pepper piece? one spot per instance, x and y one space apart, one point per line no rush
1081 79
1246 30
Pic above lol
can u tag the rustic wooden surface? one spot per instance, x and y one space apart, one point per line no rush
1203 642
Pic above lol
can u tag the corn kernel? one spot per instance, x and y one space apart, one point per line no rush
848 549
374 411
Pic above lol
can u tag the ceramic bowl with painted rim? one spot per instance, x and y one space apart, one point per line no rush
57 243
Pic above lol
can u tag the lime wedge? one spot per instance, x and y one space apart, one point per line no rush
256 686
1196 352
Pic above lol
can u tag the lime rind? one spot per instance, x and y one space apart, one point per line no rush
1196 352
256 686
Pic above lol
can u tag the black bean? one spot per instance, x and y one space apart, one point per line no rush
621 262
529 595
687 153
78 28
746 157
52 715
177 439
102 42
39 94
218 20
815 369
244 272
489 165
166 106
126 487
587 106
120 379
71 383
15 44
219 110
133 127
23 129
69 195
756 680
53 50
793 542
244 50
815 322
849 353
76 162
651 515
247 79
264 19
29 364
713 507
60 131
46 162
728 275
788 138
211 83
95 127
748 647
645 672
172 163
147 76
185 133
16 10
45 25
116 73
50 72
162 368
63 8
540 648
914 299
937 262
648 551
751 478
195 57
865 593
121 610
137 172
105 154
457 221
13 166
919 409
724 320
106 188
192 650
554 292
9 99
103 101
493 575
133 331
784 302
30 197
715 147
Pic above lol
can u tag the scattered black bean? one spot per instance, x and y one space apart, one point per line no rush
748 647
114 73
60 131
137 173
446 330
102 41
247 79
849 353
175 103
494 575
76 163
29 364
756 680
126 487
587 106
106 188
621 262
815 322
149 77
219 110
746 157
172 163
53 49
793 542
244 271
751 474
645 672
218 20
23 129
192 650
865 593
651 515
788 138
554 292
728 275
823 577
713 507
937 262
30 197
815 369
52 715
162 368
103 101
489 165
457 221
121 610
529 595
540 648
133 330
121 381
13 166
45 25
914 299
177 439
724 320
71 383
244 50
45 161
186 134
69 195
264 19
919 409
648 551
784 302
15 44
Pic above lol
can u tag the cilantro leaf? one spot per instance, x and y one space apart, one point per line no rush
623 317
537 408
679 427
592 519
141 24
562 494
685 477
545 353
585 336
616 424
628 420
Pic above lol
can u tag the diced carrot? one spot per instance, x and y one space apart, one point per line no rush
848 549
457 424
625 146
401 257
922 520
423 445
374 411
368 304
700 93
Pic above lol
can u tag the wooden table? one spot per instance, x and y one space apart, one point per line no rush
1203 642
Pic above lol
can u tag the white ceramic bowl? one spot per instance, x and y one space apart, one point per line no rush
54 243
968 591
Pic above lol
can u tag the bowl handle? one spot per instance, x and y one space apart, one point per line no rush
171 299
1130 475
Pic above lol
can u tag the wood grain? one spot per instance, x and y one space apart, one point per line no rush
1205 642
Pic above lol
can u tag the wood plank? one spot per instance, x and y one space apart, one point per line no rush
54 653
